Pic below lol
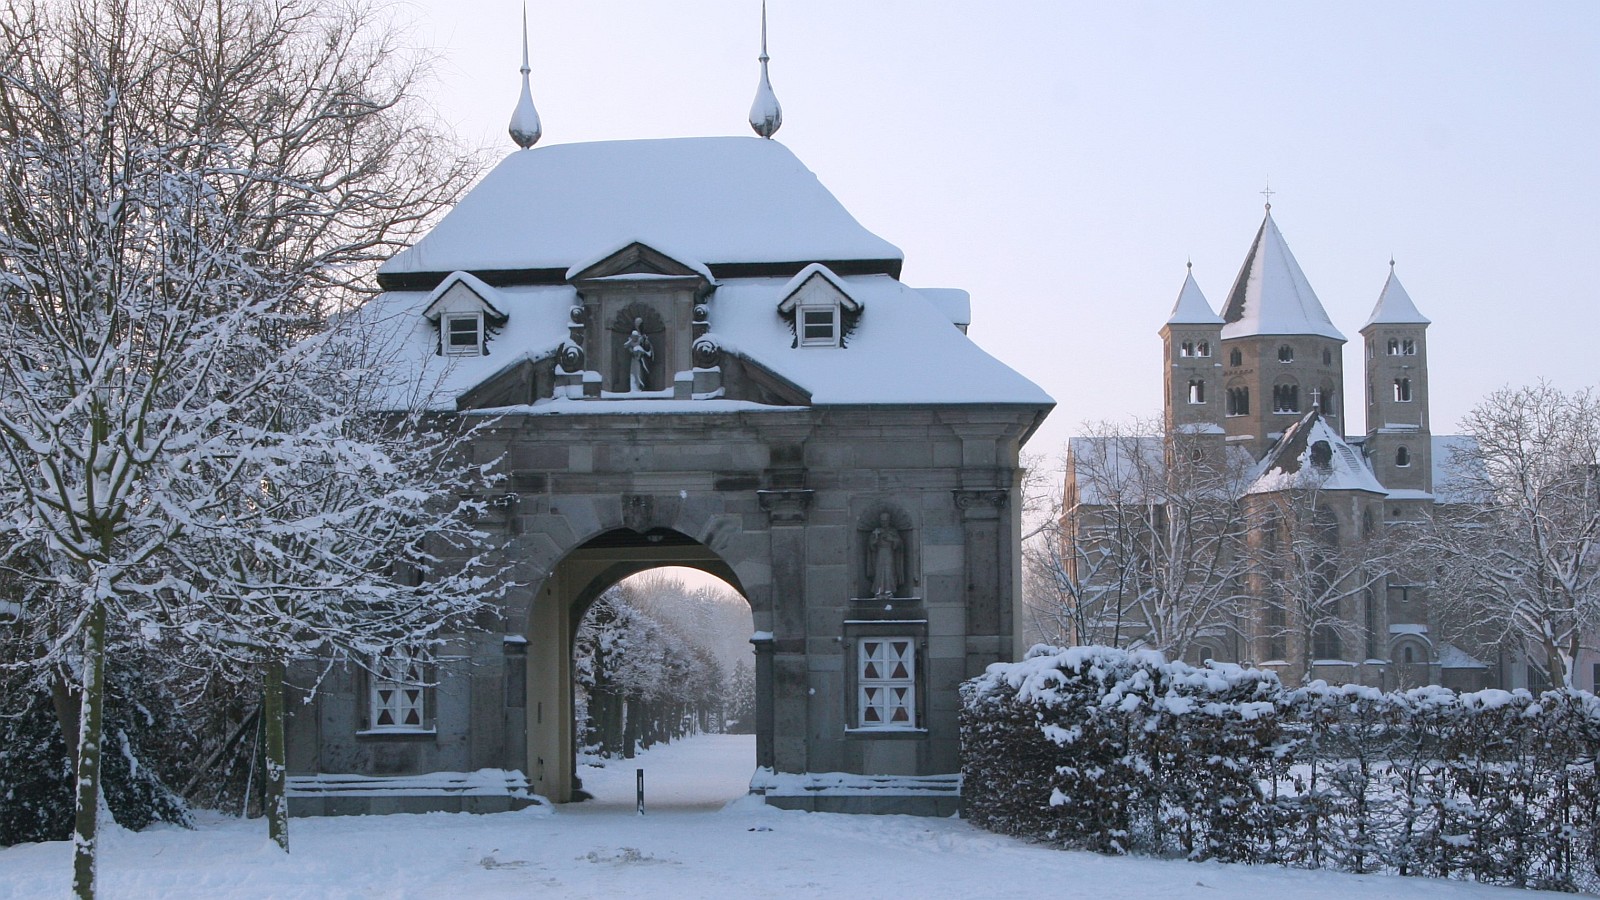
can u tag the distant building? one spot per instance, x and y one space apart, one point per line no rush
1258 394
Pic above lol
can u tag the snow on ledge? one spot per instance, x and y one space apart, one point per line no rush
482 783
845 784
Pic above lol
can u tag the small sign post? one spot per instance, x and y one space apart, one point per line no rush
639 792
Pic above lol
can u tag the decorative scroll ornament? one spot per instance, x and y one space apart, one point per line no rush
571 358
766 116
707 353
525 128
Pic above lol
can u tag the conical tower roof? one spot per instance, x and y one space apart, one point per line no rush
1395 306
1271 294
1192 307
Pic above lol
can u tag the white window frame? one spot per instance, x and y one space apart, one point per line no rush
886 683
397 696
803 323
447 334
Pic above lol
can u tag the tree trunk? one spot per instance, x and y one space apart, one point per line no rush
274 799
86 812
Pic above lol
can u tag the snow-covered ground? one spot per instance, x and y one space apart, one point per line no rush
698 838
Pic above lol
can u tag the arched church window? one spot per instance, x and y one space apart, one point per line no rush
1394 346
1408 654
1202 349
1408 347
1239 401
1327 357
1402 390
1402 456
1197 391
1285 353
1186 348
1285 398
1235 358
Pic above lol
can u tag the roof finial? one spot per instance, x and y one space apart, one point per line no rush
1268 193
525 128
766 116
1190 264
1391 262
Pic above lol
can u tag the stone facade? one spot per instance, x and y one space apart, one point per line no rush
793 421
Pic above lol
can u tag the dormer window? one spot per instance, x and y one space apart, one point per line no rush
462 334
819 308
466 313
819 326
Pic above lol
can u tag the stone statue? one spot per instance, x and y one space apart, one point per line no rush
884 548
640 353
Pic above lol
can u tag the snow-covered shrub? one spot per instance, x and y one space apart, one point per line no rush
1122 751
145 737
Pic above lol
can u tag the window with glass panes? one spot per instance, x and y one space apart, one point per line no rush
819 326
886 683
398 695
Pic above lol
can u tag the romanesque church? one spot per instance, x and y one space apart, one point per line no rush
1259 392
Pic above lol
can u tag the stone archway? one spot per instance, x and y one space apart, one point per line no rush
558 604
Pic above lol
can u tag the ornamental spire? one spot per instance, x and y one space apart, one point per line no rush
525 128
766 116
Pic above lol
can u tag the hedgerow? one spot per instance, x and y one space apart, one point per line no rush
1123 752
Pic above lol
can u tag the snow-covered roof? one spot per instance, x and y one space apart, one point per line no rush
1395 307
956 303
1453 460
715 200
1192 308
1119 469
1453 657
903 349
1311 454
1271 296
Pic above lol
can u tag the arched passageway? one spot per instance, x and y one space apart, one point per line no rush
571 589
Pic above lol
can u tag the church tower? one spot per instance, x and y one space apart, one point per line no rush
1399 443
1192 339
1282 356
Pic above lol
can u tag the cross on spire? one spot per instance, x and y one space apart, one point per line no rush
1268 194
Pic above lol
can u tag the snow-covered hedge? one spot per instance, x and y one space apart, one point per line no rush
1121 751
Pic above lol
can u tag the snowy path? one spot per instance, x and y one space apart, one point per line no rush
685 846
700 774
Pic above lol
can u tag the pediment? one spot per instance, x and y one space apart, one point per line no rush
462 293
815 285
636 260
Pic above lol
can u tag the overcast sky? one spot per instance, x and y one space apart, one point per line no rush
1061 160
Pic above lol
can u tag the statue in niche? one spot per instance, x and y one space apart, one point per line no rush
885 552
640 353
634 332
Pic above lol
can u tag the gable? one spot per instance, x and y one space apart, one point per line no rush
461 293
638 260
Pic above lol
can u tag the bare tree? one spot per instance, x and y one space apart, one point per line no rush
1519 561
189 188
1316 574
1146 548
